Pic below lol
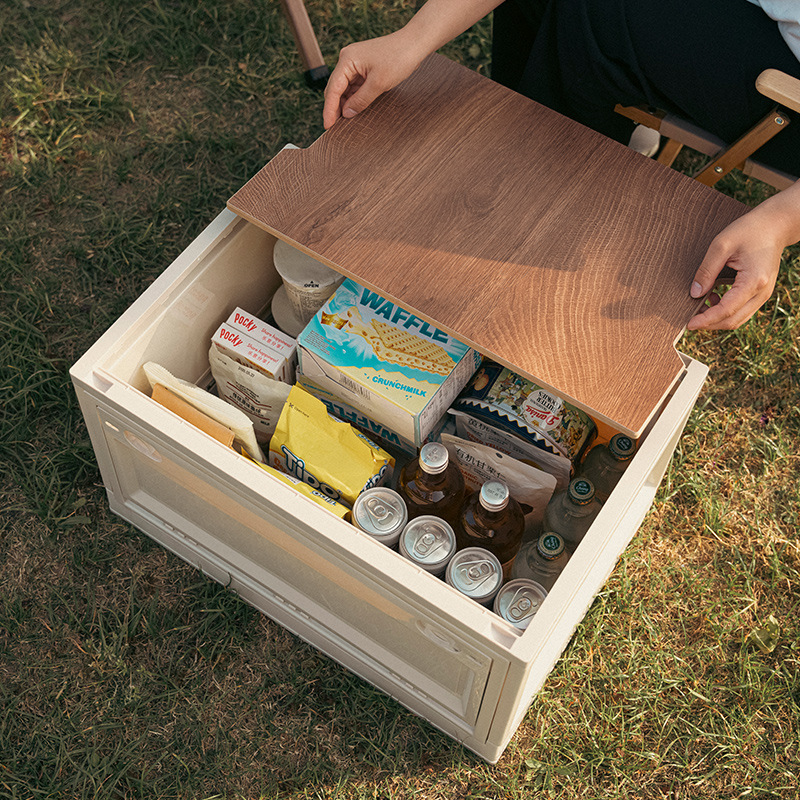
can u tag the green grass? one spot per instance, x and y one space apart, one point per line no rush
124 127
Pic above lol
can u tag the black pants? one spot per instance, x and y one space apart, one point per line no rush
695 58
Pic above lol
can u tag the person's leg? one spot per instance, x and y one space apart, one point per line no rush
696 58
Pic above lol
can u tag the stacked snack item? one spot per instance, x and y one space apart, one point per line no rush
509 413
253 365
256 344
326 453
379 361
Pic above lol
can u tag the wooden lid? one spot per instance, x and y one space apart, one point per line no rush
541 243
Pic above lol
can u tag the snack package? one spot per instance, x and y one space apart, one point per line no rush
329 455
204 401
253 393
512 403
380 434
476 430
238 346
267 336
385 362
529 486
179 406
335 507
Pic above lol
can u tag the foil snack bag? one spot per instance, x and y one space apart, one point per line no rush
327 454
518 406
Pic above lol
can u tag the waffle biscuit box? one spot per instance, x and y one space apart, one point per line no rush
384 361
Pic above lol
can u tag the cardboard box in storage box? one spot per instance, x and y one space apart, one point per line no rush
387 363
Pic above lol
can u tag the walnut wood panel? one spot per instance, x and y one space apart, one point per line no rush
538 241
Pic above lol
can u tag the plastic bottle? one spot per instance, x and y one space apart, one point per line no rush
571 511
491 518
541 560
605 464
432 484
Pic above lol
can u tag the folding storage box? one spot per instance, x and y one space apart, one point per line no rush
440 654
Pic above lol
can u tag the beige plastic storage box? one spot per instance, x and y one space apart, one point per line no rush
440 654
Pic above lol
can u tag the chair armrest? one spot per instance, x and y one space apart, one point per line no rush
780 87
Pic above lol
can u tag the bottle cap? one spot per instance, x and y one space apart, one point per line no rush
550 545
433 458
494 495
581 491
622 447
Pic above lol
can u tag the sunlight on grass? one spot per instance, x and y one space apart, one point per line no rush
126 673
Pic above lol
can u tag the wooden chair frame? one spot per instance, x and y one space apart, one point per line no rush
777 86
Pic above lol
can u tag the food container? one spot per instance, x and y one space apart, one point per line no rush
442 655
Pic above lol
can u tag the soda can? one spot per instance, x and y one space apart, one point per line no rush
381 513
518 601
429 542
476 573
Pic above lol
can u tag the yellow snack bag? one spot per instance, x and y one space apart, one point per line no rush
329 455
332 505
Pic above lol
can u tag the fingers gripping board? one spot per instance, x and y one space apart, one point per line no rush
534 239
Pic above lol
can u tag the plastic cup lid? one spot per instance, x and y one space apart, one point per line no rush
300 268
284 314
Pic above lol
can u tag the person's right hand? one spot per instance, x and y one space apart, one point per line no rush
366 70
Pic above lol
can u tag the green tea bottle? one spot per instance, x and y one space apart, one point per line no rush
541 559
605 464
571 512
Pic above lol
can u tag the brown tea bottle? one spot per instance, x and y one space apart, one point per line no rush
432 484
491 518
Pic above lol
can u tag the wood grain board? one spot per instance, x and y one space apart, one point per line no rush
543 244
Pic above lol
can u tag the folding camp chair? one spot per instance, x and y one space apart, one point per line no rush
317 72
776 85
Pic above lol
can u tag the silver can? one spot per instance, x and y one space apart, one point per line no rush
429 542
476 573
519 600
381 513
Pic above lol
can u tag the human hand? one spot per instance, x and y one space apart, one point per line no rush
752 246
748 248
365 71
